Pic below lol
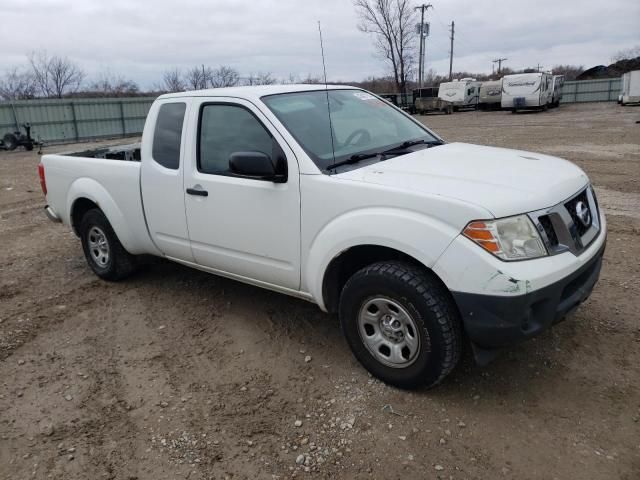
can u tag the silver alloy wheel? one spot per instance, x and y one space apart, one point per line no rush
389 332
98 246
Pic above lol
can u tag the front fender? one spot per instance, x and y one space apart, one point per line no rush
412 233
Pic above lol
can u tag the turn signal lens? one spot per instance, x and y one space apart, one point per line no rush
512 238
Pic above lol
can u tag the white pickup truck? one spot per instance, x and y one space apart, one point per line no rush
337 197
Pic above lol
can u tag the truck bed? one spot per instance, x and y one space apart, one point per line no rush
130 152
110 178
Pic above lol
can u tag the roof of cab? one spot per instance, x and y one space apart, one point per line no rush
254 92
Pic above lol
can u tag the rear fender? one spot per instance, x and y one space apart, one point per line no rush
92 190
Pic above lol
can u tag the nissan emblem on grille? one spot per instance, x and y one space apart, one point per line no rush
583 213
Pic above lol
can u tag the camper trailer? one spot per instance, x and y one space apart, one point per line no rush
630 87
490 95
426 100
527 91
461 93
556 89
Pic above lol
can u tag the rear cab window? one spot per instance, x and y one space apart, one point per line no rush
167 136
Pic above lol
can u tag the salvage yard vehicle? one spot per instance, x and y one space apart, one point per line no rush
557 83
463 93
426 100
333 195
13 140
490 95
527 91
630 93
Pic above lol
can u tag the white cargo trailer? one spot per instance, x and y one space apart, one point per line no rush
527 91
556 95
461 93
631 87
490 95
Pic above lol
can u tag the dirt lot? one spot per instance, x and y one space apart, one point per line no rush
178 374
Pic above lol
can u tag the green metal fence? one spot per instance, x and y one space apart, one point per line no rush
601 90
72 120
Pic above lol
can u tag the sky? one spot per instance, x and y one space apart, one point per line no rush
139 39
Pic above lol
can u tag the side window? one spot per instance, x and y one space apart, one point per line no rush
226 129
168 135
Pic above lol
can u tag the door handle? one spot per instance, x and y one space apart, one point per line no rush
201 193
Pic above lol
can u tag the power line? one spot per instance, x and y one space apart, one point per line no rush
499 62
422 34
453 25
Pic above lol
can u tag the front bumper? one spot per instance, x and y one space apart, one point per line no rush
493 321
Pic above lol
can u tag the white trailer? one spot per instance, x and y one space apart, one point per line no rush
463 93
631 87
490 95
527 91
556 88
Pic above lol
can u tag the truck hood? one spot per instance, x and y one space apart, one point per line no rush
505 182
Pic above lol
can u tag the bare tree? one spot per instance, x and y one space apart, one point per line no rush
311 80
199 77
55 76
172 81
17 84
261 79
225 76
109 85
392 23
627 54
570 72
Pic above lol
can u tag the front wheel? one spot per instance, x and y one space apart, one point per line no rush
401 324
104 253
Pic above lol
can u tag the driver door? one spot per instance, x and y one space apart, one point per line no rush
242 226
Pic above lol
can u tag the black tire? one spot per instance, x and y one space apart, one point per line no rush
429 305
10 141
28 146
119 263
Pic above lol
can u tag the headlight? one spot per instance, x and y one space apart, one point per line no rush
512 238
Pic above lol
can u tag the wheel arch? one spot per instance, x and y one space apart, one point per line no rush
129 225
79 208
349 261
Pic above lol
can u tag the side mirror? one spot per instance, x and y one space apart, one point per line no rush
255 165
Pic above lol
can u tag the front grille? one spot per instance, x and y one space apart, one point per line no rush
561 226
545 221
581 228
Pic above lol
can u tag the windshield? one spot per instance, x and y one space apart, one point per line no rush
361 123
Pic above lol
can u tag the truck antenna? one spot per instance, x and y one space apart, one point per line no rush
326 90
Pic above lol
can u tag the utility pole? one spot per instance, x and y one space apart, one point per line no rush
422 34
539 67
499 62
453 25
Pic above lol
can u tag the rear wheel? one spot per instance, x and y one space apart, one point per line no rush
104 253
10 141
401 324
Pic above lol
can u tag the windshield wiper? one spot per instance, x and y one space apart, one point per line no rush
411 143
391 151
353 159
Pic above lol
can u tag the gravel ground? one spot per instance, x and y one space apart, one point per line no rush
178 374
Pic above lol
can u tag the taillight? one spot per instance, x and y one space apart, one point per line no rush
43 181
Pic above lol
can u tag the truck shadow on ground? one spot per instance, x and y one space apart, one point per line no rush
524 369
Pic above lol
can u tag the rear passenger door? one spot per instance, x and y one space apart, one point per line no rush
243 226
161 178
